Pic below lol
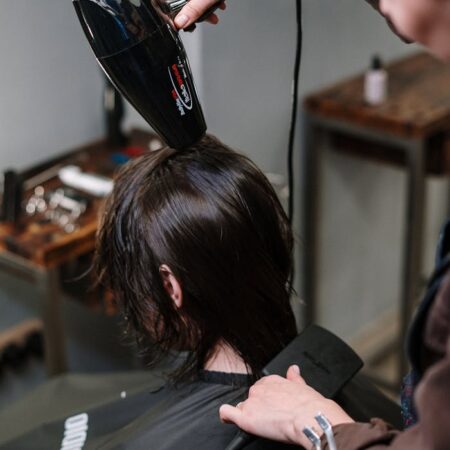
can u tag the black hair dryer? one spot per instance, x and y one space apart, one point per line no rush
138 47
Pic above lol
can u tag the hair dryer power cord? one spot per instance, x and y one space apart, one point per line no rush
292 129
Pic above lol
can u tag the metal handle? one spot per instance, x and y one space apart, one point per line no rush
172 7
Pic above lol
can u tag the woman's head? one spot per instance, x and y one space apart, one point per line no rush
207 218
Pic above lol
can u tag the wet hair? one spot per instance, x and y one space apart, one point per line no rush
212 217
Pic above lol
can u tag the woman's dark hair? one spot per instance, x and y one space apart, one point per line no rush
212 217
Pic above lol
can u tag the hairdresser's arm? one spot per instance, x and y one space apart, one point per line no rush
194 9
278 408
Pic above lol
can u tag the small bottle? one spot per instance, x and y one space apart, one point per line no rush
376 83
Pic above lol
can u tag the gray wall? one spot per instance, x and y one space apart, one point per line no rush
50 86
248 64
247 70
50 100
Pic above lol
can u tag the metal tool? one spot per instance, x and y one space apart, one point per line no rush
63 207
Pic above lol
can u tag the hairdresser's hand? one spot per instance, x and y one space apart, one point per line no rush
195 9
278 408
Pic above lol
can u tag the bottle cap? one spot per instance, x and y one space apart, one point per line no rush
376 64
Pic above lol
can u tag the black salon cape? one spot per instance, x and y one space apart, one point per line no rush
135 410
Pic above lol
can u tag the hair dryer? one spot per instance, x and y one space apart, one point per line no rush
140 51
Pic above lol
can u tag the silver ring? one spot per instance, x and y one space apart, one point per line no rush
327 428
313 437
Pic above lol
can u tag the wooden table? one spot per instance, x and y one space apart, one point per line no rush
411 129
35 250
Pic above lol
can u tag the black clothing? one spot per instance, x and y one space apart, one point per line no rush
183 417
136 410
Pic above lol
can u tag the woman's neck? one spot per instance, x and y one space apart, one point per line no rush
225 359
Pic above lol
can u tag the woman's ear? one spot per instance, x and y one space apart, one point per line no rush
171 285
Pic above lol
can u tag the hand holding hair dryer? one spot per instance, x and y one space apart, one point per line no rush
140 51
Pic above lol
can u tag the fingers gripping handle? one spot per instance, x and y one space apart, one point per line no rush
173 7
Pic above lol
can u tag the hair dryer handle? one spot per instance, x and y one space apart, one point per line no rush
172 7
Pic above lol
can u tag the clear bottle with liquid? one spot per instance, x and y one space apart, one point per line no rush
376 83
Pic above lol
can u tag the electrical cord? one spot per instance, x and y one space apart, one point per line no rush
292 128
290 162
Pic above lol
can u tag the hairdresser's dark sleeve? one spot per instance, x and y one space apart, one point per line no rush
432 397
432 432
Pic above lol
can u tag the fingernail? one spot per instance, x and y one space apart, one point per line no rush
181 20
296 369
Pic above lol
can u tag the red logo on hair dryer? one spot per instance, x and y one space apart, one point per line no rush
180 91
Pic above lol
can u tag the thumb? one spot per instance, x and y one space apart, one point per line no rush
230 414
293 374
192 11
